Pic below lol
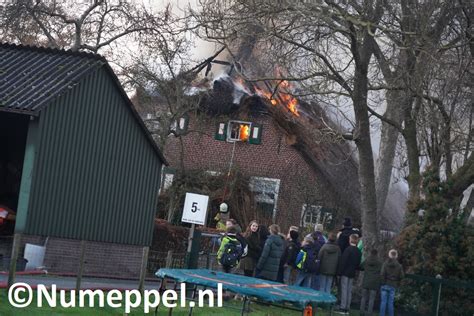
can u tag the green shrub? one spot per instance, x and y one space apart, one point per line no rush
441 243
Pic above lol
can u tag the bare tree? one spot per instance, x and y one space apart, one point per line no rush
85 25
422 37
325 45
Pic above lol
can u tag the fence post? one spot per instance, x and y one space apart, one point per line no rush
169 259
208 260
141 282
436 295
81 266
14 258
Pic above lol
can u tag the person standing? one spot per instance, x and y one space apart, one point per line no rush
318 234
319 241
288 259
345 232
349 263
263 234
307 262
221 217
252 237
232 222
371 266
269 262
230 250
329 256
392 273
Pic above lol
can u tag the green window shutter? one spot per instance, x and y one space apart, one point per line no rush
221 131
256 134
182 124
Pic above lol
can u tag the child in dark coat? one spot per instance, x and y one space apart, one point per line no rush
305 262
329 256
349 263
288 259
371 281
230 247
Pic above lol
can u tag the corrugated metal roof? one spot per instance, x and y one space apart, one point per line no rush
32 77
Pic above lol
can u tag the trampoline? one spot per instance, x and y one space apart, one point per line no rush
251 289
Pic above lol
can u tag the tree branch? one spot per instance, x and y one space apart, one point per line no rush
385 119
337 77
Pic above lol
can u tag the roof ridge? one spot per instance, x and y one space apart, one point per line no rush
45 49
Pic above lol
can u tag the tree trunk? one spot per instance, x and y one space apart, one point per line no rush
447 150
413 153
77 37
388 144
462 178
366 160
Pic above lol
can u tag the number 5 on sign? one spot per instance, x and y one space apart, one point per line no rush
195 209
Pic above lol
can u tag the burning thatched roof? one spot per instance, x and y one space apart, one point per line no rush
306 125
323 149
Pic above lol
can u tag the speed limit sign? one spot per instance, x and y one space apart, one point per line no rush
195 209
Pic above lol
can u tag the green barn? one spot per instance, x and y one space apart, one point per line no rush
77 161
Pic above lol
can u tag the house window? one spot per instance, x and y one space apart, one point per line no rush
238 131
266 194
315 214
180 126
167 181
182 123
167 178
213 173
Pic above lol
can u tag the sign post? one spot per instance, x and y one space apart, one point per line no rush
194 212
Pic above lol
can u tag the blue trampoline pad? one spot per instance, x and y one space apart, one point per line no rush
263 290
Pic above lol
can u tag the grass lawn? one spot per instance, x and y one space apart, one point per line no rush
231 308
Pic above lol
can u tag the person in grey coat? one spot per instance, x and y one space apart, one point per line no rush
269 262
328 256
371 281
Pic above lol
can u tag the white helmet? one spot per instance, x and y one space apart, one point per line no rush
223 208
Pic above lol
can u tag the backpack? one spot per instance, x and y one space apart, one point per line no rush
307 260
232 253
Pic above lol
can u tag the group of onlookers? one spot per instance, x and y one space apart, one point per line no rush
318 262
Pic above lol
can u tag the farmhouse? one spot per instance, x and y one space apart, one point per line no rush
238 130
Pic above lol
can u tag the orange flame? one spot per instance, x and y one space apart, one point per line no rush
244 132
284 98
290 102
267 95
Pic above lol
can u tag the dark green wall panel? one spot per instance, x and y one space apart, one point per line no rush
96 175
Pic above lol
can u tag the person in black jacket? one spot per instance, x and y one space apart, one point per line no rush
349 263
249 262
345 232
263 234
287 262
